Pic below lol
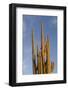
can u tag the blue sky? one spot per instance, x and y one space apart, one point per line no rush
50 29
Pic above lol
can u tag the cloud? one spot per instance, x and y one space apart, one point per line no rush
54 21
25 67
